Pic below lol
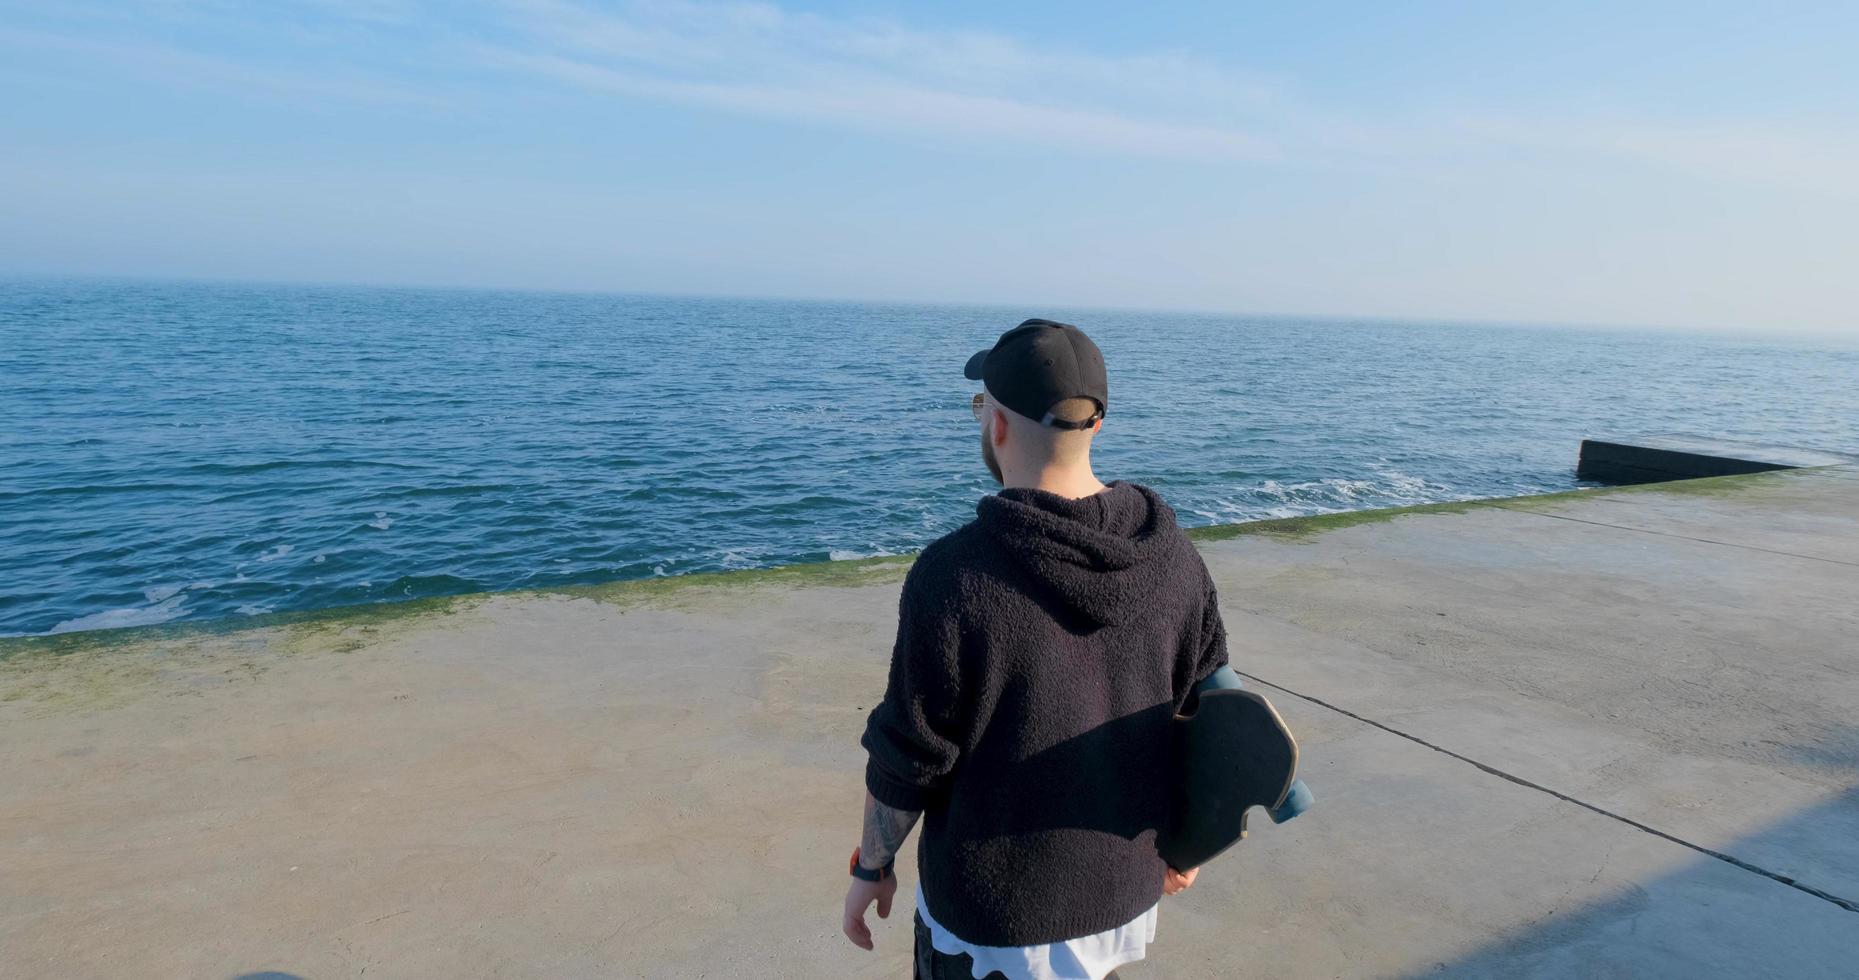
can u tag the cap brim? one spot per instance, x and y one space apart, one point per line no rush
972 370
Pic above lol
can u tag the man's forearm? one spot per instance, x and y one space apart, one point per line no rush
885 830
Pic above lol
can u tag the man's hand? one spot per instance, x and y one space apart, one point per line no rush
885 830
1178 881
859 898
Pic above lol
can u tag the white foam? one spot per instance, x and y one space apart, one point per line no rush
274 554
250 609
846 554
381 521
169 608
733 560
1386 487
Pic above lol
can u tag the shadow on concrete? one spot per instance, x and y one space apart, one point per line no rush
268 975
1709 918
1834 751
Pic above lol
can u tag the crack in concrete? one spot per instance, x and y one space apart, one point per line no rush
1682 537
1776 876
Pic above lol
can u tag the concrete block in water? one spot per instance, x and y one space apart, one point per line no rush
1659 458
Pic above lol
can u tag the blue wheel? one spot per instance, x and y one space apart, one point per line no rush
1296 801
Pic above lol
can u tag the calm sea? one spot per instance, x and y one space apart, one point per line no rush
173 451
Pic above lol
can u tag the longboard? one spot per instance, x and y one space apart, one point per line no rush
1231 754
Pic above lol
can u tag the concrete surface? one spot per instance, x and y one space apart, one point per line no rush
1587 735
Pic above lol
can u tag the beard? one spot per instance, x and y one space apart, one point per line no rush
987 456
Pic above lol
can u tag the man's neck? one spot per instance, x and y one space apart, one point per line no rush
1072 485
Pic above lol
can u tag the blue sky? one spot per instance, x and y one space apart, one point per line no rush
1684 164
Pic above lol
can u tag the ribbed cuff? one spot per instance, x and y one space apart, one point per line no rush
893 792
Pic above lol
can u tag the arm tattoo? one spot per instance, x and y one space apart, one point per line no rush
885 830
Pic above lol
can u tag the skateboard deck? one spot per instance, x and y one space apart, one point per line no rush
1231 754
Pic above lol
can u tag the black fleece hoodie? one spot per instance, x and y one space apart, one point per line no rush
1041 650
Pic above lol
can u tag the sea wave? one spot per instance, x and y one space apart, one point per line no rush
850 554
1273 498
171 607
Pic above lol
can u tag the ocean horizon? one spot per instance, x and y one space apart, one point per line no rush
199 450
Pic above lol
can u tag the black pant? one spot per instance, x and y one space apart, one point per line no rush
932 964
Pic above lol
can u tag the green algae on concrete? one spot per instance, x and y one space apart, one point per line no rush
115 671
1737 484
1303 528
305 623
670 589
1306 528
365 619
357 623
96 669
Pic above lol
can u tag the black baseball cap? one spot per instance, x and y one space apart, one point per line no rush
1038 364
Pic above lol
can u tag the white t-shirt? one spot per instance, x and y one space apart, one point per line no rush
1085 958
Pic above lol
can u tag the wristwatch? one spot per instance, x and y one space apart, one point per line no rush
863 873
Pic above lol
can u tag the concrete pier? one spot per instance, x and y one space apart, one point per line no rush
1605 733
1658 458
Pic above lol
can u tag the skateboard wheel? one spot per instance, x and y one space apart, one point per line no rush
1297 800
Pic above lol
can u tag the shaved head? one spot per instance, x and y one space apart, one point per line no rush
1029 447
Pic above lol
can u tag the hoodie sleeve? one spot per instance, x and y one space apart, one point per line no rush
913 735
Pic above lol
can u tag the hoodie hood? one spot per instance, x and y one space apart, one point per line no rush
1105 557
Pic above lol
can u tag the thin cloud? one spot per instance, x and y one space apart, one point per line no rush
748 40
898 108
759 59
876 75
